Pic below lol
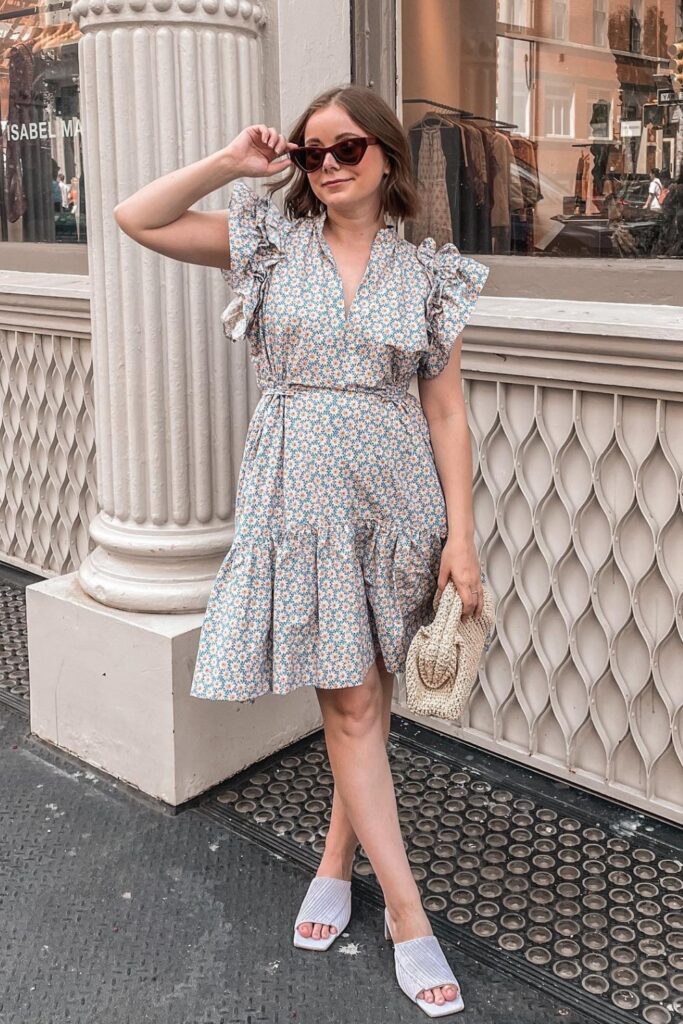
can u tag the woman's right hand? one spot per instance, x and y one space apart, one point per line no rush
259 151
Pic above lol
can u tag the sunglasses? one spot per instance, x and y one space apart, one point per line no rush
348 151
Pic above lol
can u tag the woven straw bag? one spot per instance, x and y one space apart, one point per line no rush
443 658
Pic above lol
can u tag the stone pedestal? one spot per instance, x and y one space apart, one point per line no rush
113 688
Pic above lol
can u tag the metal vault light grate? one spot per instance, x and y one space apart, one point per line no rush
14 689
519 879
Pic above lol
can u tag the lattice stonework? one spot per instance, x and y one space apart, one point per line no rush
47 451
577 502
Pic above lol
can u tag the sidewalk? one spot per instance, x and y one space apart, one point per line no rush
113 911
551 904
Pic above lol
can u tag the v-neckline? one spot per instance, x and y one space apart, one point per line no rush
380 236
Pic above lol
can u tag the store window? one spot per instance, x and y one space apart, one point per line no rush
559 13
600 12
550 128
558 104
42 196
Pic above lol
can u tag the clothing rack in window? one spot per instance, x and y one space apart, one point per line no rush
463 113
478 180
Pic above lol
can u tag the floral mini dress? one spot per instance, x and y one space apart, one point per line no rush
340 517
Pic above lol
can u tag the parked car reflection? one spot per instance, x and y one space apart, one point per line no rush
620 227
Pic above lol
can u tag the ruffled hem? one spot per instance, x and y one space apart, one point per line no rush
257 242
455 284
311 605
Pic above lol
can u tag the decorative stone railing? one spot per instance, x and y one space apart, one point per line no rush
576 413
48 491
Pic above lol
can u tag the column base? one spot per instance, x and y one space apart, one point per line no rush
150 569
113 688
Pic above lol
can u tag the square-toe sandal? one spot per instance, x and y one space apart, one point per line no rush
327 901
420 963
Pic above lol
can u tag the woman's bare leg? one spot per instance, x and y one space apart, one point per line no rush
341 840
354 735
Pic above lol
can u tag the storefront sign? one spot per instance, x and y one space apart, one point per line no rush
630 128
41 129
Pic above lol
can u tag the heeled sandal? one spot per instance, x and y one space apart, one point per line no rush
327 900
420 964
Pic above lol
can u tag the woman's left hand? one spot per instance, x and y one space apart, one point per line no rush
460 562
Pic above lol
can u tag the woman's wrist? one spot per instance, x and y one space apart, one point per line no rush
228 166
461 538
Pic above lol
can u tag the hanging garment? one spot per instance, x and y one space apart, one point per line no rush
467 213
476 161
600 154
526 156
580 179
434 219
500 213
477 174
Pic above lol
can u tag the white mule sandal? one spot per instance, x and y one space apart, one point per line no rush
328 901
420 963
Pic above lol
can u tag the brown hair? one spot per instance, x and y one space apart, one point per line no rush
398 196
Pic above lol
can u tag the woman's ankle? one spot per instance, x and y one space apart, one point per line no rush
404 911
409 922
338 862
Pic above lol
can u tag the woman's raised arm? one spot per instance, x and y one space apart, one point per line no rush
159 217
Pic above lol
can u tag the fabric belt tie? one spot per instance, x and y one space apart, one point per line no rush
389 393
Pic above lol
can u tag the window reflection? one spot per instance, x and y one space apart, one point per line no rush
42 196
546 128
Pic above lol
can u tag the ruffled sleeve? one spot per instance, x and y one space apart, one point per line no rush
455 282
257 231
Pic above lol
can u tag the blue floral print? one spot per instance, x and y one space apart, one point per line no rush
340 517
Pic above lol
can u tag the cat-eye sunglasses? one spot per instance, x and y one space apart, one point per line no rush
348 151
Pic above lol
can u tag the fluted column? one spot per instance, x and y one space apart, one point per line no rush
163 83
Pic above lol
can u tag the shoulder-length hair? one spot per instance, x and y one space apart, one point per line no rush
398 195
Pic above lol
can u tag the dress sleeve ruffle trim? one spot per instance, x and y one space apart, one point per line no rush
258 233
455 284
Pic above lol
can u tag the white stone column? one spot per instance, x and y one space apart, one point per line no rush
163 84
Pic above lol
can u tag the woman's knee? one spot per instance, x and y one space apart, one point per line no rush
353 709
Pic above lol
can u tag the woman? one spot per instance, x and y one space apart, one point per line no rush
654 191
354 500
